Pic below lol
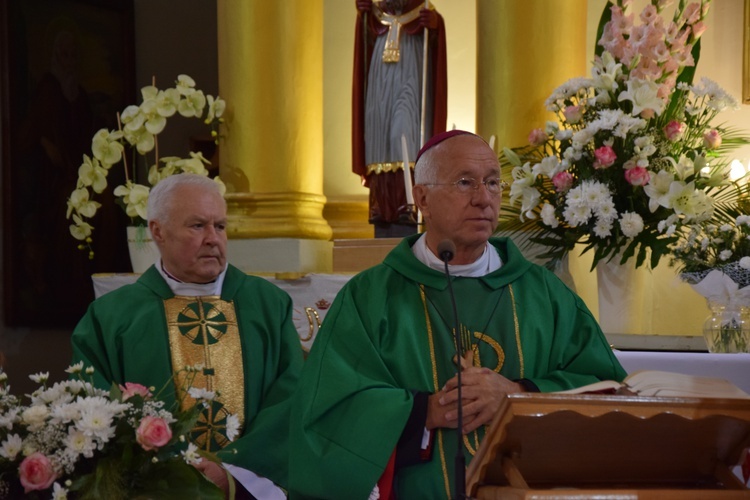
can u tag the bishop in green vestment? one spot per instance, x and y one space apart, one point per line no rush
383 361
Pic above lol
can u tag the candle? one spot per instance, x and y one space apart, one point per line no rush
492 142
407 172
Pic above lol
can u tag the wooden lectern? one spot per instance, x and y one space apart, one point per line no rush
586 446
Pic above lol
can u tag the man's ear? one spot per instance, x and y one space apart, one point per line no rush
420 199
155 229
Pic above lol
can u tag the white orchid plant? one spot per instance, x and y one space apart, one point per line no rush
136 137
635 155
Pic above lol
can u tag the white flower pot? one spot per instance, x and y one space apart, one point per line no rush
143 250
621 289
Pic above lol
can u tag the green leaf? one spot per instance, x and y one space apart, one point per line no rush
606 17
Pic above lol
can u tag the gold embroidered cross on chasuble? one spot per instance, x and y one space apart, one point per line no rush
203 331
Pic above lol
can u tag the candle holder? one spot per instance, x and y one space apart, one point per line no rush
407 214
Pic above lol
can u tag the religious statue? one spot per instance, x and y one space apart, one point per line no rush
388 108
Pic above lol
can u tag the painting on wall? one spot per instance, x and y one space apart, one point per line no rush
68 68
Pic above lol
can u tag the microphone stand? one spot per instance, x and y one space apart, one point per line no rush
460 460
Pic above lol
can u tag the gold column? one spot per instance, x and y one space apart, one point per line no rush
525 49
271 75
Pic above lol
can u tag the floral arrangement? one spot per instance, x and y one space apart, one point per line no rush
635 154
715 262
74 439
138 128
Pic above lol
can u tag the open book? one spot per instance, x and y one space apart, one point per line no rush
658 383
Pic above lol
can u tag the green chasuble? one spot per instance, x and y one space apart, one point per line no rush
125 336
388 334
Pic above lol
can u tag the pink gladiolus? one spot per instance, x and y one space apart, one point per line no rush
36 473
573 114
712 139
130 389
637 176
698 29
537 137
674 130
153 433
562 181
605 157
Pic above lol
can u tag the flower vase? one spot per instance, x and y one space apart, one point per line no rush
621 289
142 248
727 328
726 290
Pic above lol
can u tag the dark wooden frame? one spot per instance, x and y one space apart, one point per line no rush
46 279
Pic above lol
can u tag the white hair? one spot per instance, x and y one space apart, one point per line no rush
161 196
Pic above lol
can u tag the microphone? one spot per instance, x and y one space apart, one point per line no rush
446 249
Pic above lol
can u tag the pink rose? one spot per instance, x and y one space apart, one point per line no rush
674 130
130 389
712 139
36 472
637 176
153 433
605 157
573 114
562 181
537 137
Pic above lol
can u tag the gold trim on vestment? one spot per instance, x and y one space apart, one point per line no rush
517 332
203 331
480 336
391 51
391 166
437 388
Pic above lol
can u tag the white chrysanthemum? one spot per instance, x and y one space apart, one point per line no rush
631 224
79 443
607 211
718 98
745 262
548 216
725 255
75 368
577 215
743 220
40 378
11 446
200 394
233 427
191 455
97 423
64 414
35 416
8 418
603 228
59 492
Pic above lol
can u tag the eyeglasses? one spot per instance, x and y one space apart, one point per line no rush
467 185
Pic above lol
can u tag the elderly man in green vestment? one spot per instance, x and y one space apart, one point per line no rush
375 413
193 308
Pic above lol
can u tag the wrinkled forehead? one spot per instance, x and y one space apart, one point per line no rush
466 156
